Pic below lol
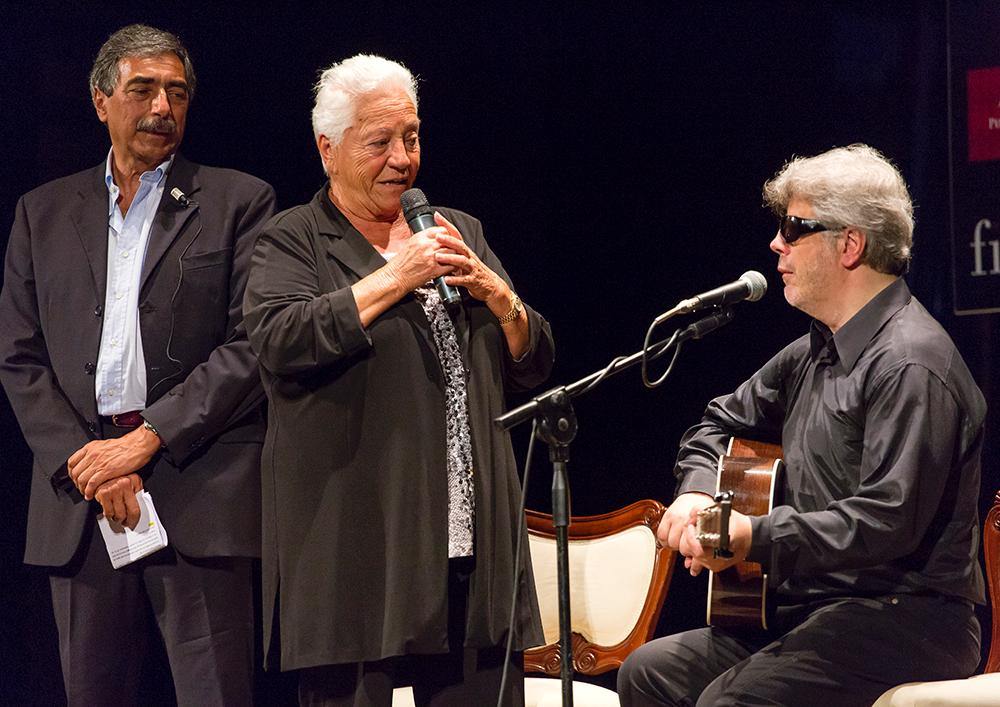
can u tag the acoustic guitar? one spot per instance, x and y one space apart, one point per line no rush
748 482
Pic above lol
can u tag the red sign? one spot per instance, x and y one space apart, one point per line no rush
984 114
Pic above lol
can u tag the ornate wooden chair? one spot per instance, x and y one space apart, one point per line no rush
619 578
978 690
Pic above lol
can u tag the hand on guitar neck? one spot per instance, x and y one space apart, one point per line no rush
677 515
698 557
678 531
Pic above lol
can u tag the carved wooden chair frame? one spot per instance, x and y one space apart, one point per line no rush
590 658
991 554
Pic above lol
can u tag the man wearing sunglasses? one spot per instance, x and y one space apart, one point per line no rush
872 553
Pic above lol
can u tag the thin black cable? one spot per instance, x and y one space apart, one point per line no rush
178 364
646 357
517 564
604 374
674 341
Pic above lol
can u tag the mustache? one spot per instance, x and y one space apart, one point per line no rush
156 124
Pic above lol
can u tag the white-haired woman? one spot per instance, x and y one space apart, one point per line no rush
390 500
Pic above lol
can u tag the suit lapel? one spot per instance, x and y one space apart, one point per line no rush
171 216
90 217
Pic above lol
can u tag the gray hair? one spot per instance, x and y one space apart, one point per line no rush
853 186
136 41
340 86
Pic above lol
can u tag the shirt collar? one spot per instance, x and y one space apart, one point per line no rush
333 221
154 177
820 339
851 339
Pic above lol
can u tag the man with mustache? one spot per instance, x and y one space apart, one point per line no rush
125 358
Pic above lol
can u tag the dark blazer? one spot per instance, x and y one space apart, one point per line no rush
203 390
354 477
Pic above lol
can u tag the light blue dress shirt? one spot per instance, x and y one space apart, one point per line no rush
120 381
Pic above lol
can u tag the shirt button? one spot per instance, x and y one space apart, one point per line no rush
119 295
111 391
114 342
98 310
125 254
89 367
894 600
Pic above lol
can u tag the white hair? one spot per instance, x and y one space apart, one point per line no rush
342 84
853 186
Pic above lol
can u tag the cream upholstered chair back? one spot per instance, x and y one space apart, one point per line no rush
979 690
619 579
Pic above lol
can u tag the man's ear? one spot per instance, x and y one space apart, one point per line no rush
100 104
853 248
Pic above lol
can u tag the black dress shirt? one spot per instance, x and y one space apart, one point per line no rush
881 426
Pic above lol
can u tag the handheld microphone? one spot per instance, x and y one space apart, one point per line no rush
751 286
180 197
419 216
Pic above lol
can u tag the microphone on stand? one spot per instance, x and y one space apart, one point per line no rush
750 286
419 215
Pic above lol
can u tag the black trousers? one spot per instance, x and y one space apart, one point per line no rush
106 619
840 652
460 678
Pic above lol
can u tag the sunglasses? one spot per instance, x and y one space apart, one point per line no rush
793 228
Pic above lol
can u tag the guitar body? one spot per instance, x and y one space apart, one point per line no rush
737 596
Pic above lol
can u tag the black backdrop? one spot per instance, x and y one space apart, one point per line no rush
614 154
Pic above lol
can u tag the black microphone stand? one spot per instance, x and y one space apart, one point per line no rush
557 427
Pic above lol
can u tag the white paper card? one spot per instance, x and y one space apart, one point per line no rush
126 545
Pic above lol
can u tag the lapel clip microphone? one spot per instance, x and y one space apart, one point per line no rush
180 197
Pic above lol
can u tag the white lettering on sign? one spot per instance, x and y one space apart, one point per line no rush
978 246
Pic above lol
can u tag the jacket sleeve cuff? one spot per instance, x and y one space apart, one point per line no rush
346 320
524 362
61 483
760 540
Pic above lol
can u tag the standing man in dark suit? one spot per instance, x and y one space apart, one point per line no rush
125 358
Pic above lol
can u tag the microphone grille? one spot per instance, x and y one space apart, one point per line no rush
757 284
413 202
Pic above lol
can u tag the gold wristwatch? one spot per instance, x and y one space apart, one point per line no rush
515 311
